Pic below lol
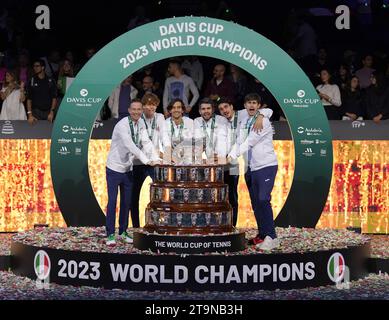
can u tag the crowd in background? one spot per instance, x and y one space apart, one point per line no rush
352 85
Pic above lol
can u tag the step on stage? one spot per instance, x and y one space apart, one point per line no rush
80 257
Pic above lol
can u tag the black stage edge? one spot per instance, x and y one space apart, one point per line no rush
378 265
172 272
190 244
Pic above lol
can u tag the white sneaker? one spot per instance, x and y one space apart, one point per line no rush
126 237
111 240
269 244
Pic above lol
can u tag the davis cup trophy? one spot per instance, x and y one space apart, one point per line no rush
189 209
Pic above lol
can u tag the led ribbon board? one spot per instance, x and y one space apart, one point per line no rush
180 37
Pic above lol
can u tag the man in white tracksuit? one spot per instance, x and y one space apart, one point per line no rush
233 119
129 140
210 133
155 126
261 172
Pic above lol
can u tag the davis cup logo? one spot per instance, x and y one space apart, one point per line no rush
301 93
336 267
83 92
42 264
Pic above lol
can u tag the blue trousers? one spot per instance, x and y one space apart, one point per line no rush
124 182
141 172
260 184
232 181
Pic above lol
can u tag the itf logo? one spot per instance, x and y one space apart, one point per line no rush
336 267
42 265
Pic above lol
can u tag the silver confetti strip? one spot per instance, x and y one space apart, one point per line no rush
186 195
171 194
179 219
208 218
155 216
193 174
218 216
213 194
206 174
200 194
193 218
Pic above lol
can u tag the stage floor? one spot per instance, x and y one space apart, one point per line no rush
374 286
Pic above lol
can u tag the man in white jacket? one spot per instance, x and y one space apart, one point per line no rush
155 127
179 130
210 133
233 119
261 172
129 140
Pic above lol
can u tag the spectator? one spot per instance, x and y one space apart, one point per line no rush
220 86
239 78
349 59
364 74
23 69
193 68
148 87
88 53
342 77
178 86
13 98
377 99
330 95
52 64
121 98
352 101
150 71
3 70
41 95
304 40
387 74
65 74
139 18
69 55
313 68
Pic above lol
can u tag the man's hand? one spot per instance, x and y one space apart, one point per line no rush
31 119
154 163
377 119
353 116
222 160
188 109
258 125
50 117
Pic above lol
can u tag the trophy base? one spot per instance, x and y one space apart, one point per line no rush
190 243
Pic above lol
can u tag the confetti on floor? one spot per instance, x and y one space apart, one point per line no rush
293 240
